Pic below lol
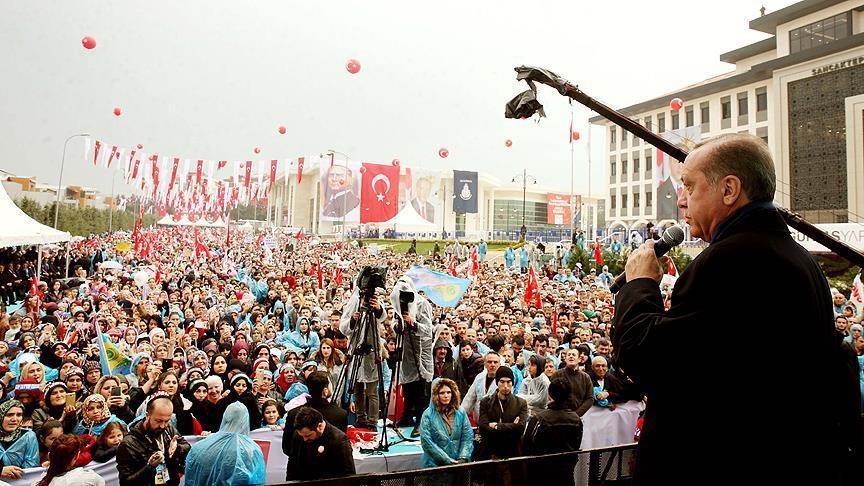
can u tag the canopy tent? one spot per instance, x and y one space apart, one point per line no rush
18 229
184 221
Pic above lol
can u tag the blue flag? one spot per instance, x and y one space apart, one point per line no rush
464 191
440 288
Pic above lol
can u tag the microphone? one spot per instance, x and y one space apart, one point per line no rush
673 236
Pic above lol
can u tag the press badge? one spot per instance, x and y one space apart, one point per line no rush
162 476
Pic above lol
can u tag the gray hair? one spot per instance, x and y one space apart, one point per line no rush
598 359
744 156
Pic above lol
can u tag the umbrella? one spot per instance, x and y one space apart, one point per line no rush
110 265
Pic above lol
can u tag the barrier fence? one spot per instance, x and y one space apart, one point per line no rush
589 467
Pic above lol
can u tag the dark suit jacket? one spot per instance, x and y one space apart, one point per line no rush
333 415
328 457
341 205
700 414
611 384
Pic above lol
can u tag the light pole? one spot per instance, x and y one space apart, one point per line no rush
525 178
344 199
60 180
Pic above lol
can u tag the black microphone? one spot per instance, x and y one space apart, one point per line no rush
673 236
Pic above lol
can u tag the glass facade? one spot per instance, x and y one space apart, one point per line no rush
817 144
508 215
820 33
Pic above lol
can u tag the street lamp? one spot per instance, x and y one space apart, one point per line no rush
525 178
344 200
60 180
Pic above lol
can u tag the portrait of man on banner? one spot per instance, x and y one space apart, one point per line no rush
339 191
667 172
422 192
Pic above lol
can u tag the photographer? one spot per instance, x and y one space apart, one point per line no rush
414 323
363 345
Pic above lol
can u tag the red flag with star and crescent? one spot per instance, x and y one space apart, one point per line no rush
379 196
532 290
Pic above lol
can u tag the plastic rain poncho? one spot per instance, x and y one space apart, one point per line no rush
228 456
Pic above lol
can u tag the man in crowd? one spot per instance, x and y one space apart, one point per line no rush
503 416
153 452
318 384
581 390
317 450
484 384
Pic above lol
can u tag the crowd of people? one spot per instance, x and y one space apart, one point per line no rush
243 336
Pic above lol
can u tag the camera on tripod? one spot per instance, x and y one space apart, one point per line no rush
370 278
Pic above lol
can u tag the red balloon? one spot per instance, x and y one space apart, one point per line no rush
362 170
676 104
508 142
282 130
443 153
395 162
353 66
575 135
88 42
257 150
140 146
117 111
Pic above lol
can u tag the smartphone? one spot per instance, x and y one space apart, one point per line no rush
166 364
70 399
115 391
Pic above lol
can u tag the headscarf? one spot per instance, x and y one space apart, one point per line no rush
104 415
9 437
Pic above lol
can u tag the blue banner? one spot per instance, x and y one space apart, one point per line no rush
464 191
442 289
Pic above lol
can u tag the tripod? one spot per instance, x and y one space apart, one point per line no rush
364 341
394 381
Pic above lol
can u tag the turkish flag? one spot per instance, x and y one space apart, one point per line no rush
273 164
198 169
300 162
173 173
248 174
379 194
598 258
532 290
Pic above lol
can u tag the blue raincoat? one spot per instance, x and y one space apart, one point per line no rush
23 453
228 456
441 448
509 257
96 429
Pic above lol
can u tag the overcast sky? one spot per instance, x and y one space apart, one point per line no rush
214 79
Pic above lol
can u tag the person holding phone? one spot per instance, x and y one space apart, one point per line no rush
118 403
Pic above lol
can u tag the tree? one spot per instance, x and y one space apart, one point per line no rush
82 221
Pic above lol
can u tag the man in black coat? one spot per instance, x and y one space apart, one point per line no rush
503 416
317 449
778 428
556 429
319 391
153 452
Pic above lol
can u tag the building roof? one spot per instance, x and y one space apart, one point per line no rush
751 50
731 80
768 23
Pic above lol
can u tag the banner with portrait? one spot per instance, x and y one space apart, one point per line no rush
340 191
420 197
558 209
667 171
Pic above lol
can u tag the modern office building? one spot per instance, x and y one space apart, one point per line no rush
801 90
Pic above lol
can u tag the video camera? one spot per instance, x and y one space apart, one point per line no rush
371 278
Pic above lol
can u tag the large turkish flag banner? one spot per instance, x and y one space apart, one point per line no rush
379 193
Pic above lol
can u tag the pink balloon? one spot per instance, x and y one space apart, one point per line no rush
395 162
575 135
676 104
508 142
88 42
443 153
257 150
353 66
282 130
117 111
140 146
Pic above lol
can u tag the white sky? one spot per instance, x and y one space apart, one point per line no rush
214 79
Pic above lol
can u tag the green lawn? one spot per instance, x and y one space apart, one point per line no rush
423 247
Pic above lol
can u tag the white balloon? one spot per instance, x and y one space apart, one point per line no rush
141 278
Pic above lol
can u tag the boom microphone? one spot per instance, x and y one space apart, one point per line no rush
673 236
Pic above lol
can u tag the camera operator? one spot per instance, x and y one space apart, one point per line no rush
414 323
362 345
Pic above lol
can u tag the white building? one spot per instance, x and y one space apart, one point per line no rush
499 215
801 90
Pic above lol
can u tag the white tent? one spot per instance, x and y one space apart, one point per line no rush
19 229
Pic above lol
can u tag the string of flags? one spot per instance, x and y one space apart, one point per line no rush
191 187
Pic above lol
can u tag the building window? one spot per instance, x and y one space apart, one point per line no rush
624 201
820 33
688 116
743 109
612 205
661 123
648 164
636 164
623 166
648 199
761 104
613 134
675 123
612 165
705 117
635 199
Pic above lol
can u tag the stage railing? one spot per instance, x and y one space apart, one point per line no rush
590 467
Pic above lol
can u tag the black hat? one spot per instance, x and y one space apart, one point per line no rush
503 372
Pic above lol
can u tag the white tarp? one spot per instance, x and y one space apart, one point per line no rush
19 229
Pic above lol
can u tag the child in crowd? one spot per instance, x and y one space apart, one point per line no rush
105 447
272 418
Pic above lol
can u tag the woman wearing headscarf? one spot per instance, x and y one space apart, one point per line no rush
445 432
95 415
304 337
228 456
240 390
54 407
19 447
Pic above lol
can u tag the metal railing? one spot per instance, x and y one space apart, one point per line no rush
590 467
